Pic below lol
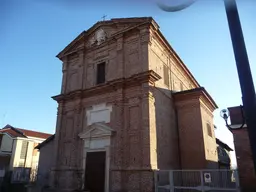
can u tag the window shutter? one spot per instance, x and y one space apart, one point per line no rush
24 149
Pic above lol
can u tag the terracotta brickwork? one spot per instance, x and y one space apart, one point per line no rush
163 61
210 146
194 111
244 160
162 58
166 63
133 155
145 134
243 152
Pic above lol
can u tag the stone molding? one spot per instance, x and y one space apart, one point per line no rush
83 36
96 130
198 93
144 77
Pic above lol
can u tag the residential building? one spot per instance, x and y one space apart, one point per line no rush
46 160
223 154
243 150
17 147
128 106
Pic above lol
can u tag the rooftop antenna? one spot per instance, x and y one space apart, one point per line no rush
104 17
3 119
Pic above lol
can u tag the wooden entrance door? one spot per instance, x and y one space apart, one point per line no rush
95 171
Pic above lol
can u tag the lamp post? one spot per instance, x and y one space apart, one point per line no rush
242 64
224 113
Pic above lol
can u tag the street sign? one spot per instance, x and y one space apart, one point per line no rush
207 178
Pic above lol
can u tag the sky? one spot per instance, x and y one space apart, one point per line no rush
33 32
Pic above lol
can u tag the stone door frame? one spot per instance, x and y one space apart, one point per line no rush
97 138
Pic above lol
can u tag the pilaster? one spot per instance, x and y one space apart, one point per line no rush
117 141
64 74
53 176
148 128
152 131
81 68
120 55
57 132
144 47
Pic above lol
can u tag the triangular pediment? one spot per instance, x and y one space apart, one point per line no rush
96 130
73 46
101 30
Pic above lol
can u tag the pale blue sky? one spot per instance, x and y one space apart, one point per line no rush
34 31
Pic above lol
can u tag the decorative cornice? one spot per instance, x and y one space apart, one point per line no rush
83 35
144 77
199 93
104 129
79 37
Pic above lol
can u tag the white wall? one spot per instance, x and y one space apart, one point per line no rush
14 148
31 161
16 154
46 162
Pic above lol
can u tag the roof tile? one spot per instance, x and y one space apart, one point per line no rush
17 132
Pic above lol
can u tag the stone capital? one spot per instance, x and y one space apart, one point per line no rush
149 96
78 109
64 66
119 45
80 52
144 29
60 107
144 38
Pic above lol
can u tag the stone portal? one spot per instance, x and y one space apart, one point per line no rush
96 158
95 171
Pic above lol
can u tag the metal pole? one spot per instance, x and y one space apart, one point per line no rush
244 73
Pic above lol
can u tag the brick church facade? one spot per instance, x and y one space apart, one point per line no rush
128 106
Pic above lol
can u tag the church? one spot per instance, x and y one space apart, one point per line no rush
128 106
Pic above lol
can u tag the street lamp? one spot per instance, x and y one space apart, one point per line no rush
242 64
224 113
